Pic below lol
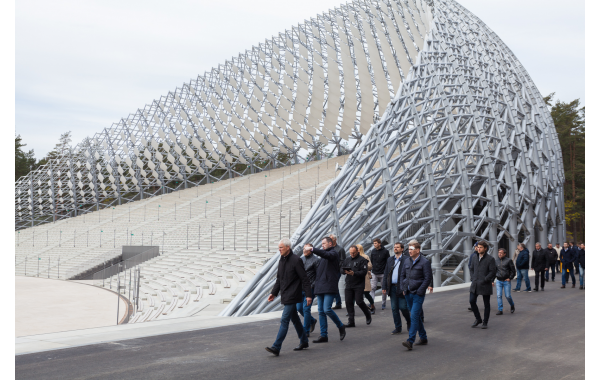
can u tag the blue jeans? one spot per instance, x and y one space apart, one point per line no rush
581 276
399 305
415 305
289 312
565 274
503 285
523 273
338 298
325 302
304 310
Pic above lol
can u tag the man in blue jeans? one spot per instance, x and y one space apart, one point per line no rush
391 285
326 287
291 281
415 277
310 262
505 272
522 268
567 257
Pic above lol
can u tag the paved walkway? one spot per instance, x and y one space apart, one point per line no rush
48 306
520 345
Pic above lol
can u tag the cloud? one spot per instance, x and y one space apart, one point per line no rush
83 65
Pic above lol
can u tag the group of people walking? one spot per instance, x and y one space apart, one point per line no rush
404 278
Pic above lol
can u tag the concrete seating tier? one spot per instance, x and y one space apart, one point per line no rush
213 238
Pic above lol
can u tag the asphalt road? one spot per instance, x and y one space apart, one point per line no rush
543 339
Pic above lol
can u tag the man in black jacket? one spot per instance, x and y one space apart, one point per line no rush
505 272
567 257
391 285
342 254
552 256
310 262
326 287
379 257
355 268
291 281
539 263
415 277
484 272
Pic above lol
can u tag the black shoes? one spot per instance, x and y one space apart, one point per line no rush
499 312
512 309
396 332
369 321
301 346
476 323
408 345
337 307
421 342
470 309
535 289
372 308
321 339
484 326
573 286
562 287
272 350
312 326
342 333
581 287
350 324
542 289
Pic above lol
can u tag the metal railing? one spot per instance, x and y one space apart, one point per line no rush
99 278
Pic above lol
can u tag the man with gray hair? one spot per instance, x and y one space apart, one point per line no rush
291 281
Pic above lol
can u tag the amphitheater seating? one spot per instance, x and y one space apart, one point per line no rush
197 268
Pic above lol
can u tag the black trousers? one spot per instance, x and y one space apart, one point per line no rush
552 266
540 274
486 305
356 295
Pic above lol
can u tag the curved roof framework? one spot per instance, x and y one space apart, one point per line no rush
321 82
466 151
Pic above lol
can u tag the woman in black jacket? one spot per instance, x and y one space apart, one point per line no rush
505 272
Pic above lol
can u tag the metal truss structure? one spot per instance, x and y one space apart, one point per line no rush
324 82
466 151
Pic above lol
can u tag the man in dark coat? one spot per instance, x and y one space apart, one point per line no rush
355 284
326 287
522 265
505 271
415 277
291 281
581 259
567 257
575 249
552 256
391 287
342 254
484 272
539 263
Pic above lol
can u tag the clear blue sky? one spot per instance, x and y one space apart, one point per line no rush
82 65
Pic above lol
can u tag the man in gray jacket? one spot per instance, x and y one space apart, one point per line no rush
311 262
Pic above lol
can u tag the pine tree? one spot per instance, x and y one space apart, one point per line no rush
569 120
24 161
